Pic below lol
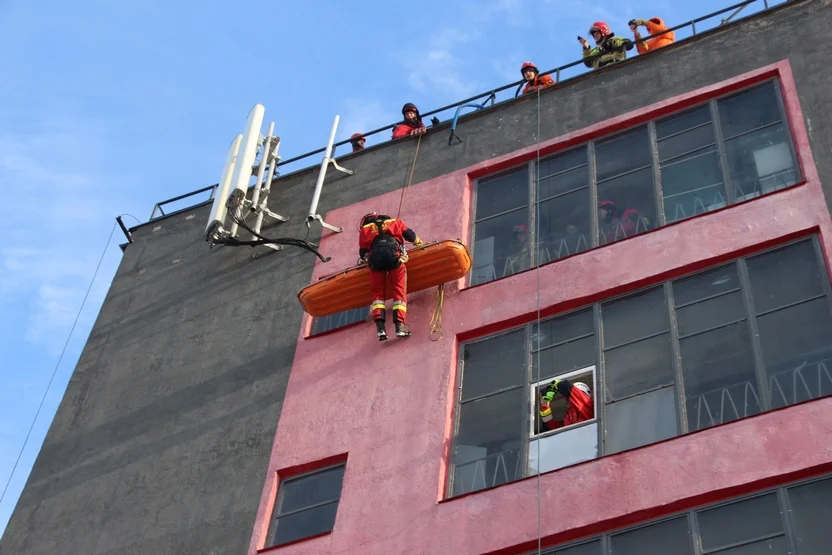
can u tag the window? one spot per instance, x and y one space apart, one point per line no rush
306 505
723 344
339 320
788 521
724 151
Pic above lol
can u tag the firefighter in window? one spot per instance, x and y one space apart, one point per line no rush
608 48
579 404
519 260
533 81
412 123
381 245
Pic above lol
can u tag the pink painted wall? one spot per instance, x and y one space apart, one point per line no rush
388 407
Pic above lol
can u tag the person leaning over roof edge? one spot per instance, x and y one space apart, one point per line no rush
534 82
609 48
412 124
654 26
357 141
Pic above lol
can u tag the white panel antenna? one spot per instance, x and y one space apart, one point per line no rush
217 217
313 209
241 177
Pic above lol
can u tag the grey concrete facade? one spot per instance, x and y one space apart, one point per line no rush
163 436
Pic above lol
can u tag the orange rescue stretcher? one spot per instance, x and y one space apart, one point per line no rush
428 266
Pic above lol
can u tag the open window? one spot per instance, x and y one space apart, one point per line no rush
570 442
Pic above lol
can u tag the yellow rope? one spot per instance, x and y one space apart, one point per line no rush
410 177
436 319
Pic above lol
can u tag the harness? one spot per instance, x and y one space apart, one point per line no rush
385 250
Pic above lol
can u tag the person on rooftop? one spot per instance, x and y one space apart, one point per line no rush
412 124
534 82
654 26
580 406
609 48
357 140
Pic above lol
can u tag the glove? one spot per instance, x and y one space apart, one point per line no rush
418 242
552 389
404 258
549 396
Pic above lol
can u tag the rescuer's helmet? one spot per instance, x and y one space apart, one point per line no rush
583 387
528 65
600 27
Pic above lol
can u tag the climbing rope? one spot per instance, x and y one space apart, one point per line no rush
409 177
436 319
537 379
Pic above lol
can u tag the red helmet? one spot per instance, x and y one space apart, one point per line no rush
601 27
355 136
367 218
528 65
520 228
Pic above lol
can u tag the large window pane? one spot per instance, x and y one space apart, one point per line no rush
712 312
760 162
622 153
488 441
591 548
678 123
560 329
773 546
640 420
563 449
305 524
797 350
784 276
691 131
706 284
626 206
494 364
692 185
749 110
554 361
811 513
671 536
563 226
339 320
720 381
638 367
562 173
502 193
634 316
312 489
740 522
501 246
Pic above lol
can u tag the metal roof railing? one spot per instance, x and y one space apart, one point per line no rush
481 99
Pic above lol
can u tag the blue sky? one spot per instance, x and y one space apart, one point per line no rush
109 107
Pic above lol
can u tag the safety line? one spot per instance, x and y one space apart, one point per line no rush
55 371
537 273
410 177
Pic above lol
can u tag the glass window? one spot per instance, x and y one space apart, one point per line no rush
670 536
622 153
339 320
307 505
811 513
784 276
640 420
638 367
494 364
705 285
740 522
749 110
569 447
566 343
562 173
502 193
590 548
634 317
560 405
760 162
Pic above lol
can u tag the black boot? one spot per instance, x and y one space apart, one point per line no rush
382 333
402 329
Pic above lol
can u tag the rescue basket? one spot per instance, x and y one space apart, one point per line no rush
428 266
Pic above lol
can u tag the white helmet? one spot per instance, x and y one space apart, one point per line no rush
583 387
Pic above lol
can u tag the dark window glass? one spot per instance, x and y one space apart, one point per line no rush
591 548
720 380
502 193
305 524
797 348
773 546
554 361
671 536
678 123
501 246
634 317
488 442
784 276
563 226
640 420
307 505
562 173
339 320
638 367
749 110
811 512
740 522
494 364
706 284
312 489
622 153
760 162
709 313
684 133
563 328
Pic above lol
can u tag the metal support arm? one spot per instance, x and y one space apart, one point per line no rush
327 160
491 97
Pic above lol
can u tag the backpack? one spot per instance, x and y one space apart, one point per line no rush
385 251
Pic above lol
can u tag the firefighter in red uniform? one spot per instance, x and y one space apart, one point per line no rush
579 404
530 73
412 124
381 245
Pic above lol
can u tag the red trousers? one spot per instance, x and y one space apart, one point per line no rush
398 282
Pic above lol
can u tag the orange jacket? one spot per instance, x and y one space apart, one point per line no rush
539 83
654 25
392 226
405 128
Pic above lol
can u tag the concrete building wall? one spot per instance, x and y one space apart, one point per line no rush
163 438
